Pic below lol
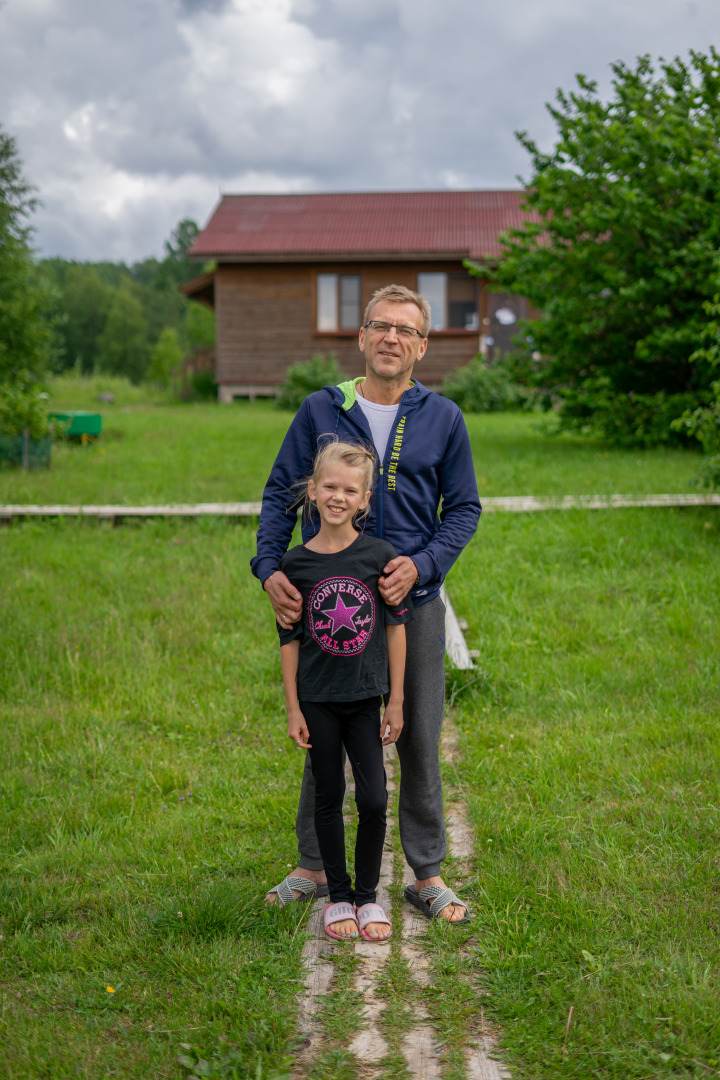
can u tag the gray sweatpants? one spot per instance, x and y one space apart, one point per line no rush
422 825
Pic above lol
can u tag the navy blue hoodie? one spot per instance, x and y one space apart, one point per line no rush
427 459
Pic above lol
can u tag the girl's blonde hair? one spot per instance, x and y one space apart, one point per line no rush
334 452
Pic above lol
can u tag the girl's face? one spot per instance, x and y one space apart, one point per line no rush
338 494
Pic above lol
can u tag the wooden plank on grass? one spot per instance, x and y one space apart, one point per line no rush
178 510
524 504
455 644
517 504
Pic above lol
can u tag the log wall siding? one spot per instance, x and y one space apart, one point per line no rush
265 320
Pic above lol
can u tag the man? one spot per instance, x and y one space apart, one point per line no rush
424 454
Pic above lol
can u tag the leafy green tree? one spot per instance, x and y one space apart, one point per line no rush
87 293
166 355
176 267
17 201
181 240
703 423
123 344
163 305
622 251
200 326
23 407
26 329
87 300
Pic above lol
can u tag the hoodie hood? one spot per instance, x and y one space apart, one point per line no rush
348 392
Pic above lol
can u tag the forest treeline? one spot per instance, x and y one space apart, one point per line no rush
127 320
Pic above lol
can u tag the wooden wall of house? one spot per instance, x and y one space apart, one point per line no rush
266 320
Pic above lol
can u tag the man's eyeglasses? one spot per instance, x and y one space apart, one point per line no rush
385 328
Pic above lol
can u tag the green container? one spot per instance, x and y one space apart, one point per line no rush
37 451
79 423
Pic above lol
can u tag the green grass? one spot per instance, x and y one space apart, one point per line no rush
71 391
592 768
514 456
158 451
152 452
147 795
146 798
340 1019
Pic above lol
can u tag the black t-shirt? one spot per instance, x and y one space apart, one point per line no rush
343 653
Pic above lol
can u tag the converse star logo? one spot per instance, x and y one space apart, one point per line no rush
342 615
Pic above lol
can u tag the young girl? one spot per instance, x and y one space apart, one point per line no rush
348 650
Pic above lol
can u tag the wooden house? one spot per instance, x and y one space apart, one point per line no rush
294 273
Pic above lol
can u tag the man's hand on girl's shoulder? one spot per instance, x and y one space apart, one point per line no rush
401 574
284 597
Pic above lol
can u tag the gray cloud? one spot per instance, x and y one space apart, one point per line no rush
193 7
131 116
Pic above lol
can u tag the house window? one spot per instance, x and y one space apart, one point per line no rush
338 302
452 299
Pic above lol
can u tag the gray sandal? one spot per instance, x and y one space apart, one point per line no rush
307 888
432 899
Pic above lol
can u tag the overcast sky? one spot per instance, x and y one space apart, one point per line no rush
132 114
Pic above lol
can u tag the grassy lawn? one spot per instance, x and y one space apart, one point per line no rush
148 795
514 456
158 451
592 769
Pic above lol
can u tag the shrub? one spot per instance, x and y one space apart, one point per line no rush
703 424
22 407
166 355
203 386
595 408
302 379
479 388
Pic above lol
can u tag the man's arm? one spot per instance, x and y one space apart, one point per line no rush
460 510
459 515
277 520
285 599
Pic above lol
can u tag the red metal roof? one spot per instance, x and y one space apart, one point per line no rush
386 224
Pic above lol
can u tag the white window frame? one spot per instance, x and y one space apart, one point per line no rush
433 285
329 314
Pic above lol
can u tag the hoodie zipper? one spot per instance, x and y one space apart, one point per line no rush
381 464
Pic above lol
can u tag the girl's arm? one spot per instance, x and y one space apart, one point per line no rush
393 715
297 728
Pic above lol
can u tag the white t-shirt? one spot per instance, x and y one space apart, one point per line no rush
381 419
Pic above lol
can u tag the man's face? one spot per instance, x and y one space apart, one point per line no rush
390 355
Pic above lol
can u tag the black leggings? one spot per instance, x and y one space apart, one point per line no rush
356 726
